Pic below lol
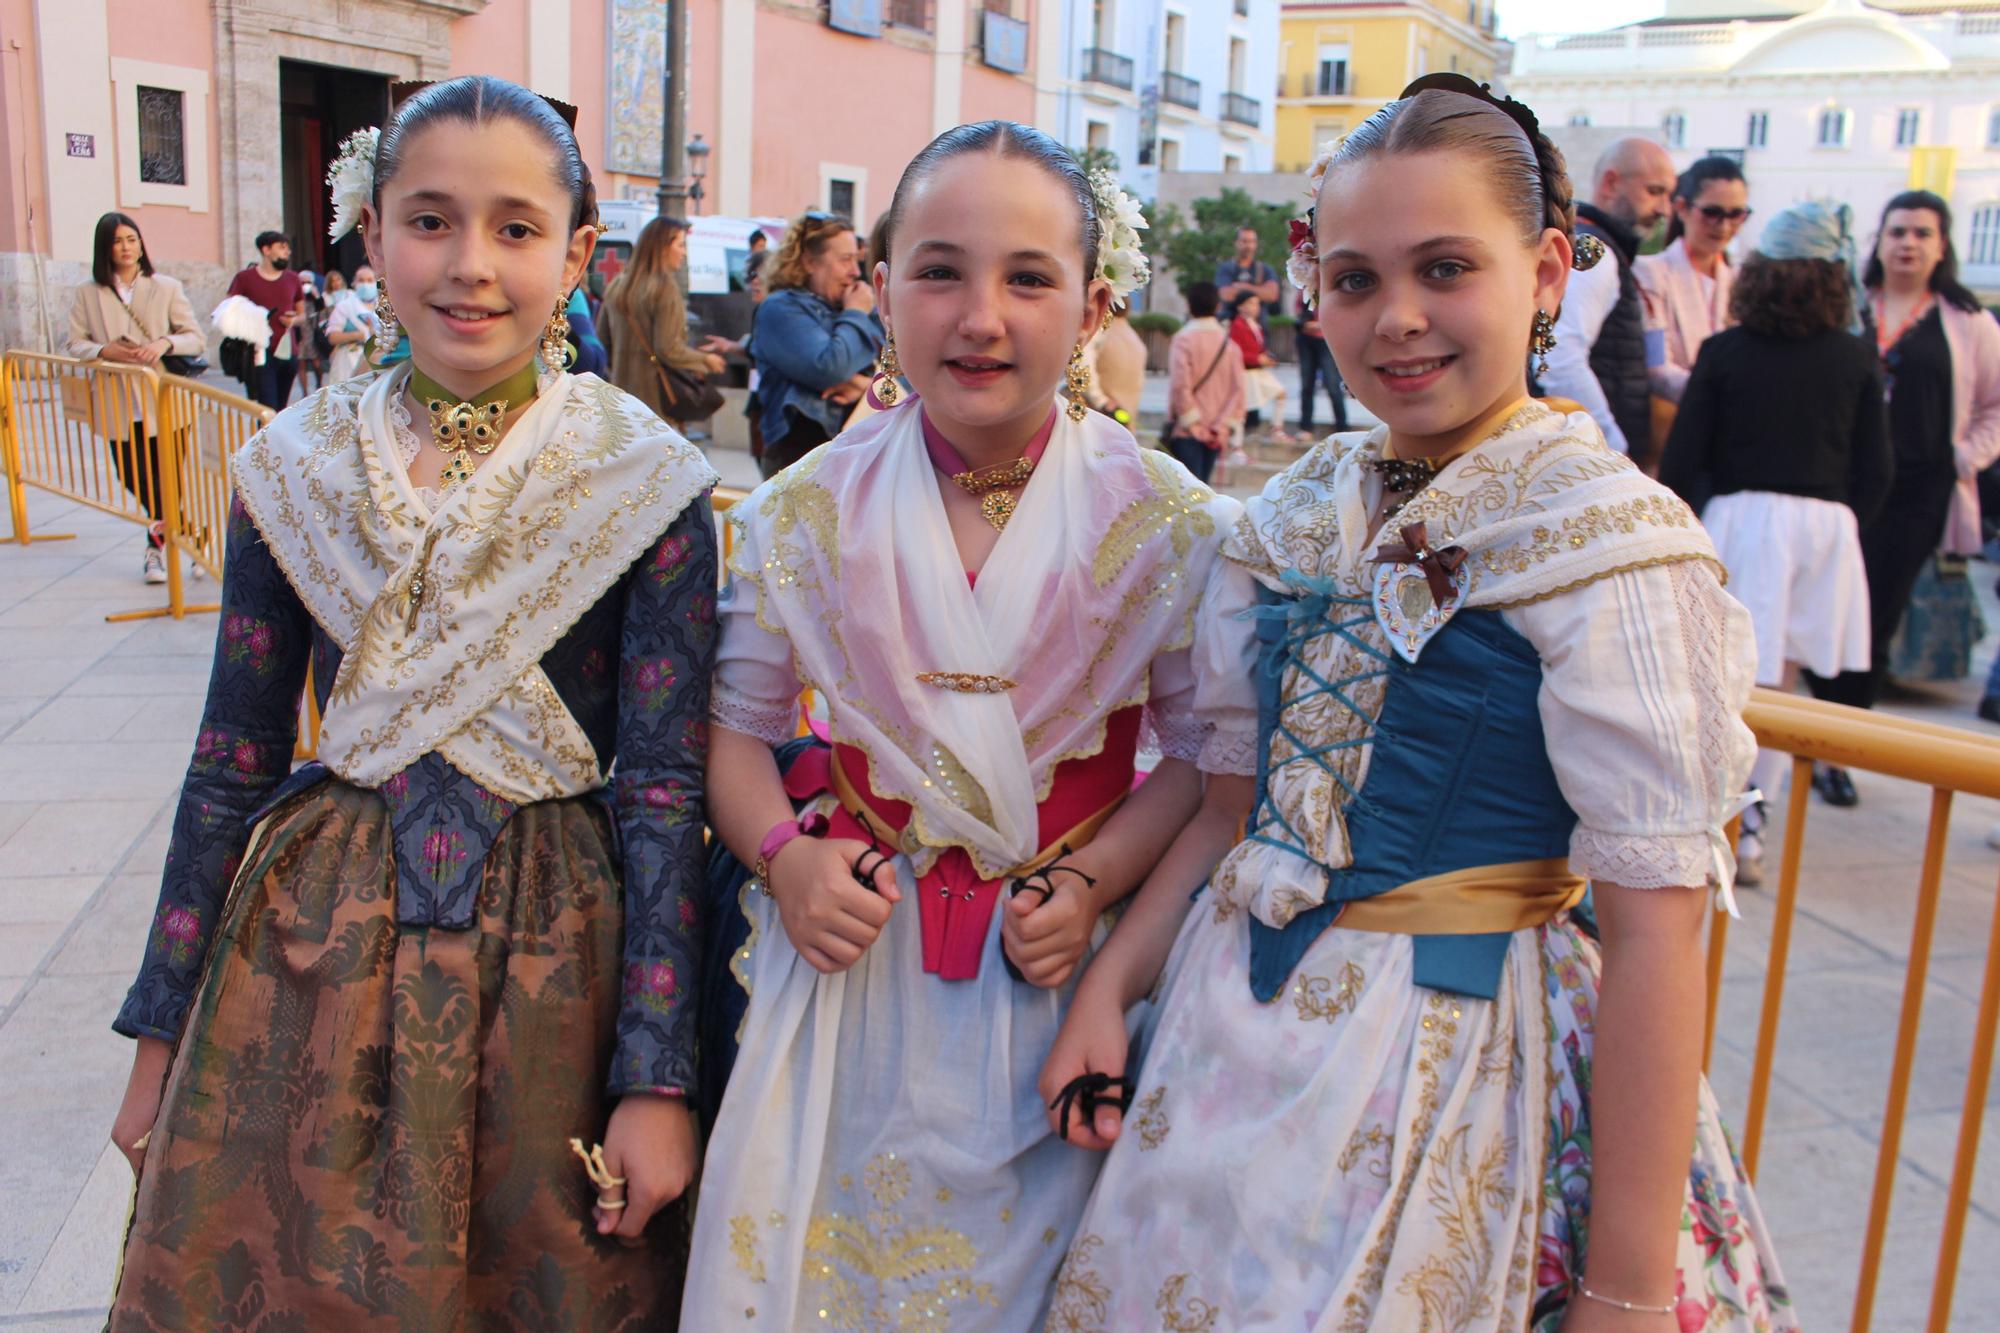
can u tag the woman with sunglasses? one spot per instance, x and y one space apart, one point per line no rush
1687 284
817 337
1941 362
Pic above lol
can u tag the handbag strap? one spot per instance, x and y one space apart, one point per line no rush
130 313
646 346
1220 352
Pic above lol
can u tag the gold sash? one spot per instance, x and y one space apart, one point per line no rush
1479 900
1075 839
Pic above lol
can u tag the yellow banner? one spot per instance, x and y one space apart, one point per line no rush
1933 169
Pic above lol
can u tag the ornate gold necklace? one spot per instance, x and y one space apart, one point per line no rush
995 486
463 429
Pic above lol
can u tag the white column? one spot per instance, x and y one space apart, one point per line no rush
548 48
73 39
735 130
948 66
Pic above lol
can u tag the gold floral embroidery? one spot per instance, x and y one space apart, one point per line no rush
743 1246
1372 1143
1082 1301
873 1268
1151 1124
1180 511
1320 998
1454 1286
1440 1027
1181 1313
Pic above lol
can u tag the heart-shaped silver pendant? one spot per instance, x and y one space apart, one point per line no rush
1408 611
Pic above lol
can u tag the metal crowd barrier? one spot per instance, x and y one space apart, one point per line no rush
1948 761
130 442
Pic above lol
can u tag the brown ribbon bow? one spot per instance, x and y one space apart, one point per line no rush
1438 565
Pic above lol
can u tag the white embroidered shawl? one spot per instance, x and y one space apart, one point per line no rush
1099 571
1541 506
585 481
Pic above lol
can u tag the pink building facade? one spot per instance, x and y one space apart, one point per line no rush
212 120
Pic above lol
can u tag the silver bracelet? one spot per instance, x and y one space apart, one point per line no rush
1627 1306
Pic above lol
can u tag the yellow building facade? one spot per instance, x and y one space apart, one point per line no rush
1341 62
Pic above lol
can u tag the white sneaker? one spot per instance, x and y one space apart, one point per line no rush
1750 860
154 567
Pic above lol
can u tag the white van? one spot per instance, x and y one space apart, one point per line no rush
717 246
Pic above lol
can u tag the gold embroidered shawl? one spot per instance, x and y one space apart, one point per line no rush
585 481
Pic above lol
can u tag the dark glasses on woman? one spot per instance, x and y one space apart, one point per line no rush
1717 213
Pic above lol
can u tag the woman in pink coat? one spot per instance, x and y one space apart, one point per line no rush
1941 353
1687 284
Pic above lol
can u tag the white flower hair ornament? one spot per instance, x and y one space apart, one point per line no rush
1302 264
1121 258
351 179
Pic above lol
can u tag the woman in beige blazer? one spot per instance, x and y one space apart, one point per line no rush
129 314
643 322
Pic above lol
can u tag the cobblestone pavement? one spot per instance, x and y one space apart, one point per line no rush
96 721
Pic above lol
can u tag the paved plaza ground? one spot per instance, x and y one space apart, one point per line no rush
96 723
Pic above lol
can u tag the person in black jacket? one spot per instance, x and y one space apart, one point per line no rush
1599 357
1782 444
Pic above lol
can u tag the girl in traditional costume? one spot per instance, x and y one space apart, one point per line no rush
387 991
1391 1082
992 594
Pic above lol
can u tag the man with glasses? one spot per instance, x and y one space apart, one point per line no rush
1687 284
1600 354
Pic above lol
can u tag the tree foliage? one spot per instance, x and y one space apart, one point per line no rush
1192 249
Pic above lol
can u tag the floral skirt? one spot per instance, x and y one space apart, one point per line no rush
366 1124
1365 1154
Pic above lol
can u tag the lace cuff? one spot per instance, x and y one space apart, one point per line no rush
1643 861
1233 753
1179 734
773 724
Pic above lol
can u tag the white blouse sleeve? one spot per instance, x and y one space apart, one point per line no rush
756 689
1203 706
1645 674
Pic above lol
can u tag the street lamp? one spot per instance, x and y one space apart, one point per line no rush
697 160
673 112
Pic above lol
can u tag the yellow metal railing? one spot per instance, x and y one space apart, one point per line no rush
130 442
1948 761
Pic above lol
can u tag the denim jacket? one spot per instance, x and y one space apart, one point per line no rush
803 347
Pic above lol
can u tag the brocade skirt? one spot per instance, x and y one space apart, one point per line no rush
366 1124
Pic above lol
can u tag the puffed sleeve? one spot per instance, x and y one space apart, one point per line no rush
756 689
667 646
1203 706
248 727
1645 674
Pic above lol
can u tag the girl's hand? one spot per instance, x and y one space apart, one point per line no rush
1046 938
1092 1040
829 916
716 365
651 1143
141 1107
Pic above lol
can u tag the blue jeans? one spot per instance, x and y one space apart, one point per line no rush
1315 368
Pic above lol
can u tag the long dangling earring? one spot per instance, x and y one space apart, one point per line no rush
887 370
1542 341
388 333
1079 382
556 352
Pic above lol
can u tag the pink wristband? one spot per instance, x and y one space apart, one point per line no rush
782 832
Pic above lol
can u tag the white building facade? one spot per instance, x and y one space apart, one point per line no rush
1840 100
1166 85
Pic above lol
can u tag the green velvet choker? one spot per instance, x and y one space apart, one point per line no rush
463 429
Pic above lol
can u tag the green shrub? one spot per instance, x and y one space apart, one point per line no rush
1154 321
